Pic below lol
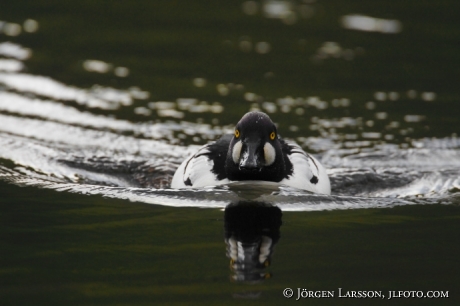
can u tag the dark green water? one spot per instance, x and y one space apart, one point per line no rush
63 248
86 250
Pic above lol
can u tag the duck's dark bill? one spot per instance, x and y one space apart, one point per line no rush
251 161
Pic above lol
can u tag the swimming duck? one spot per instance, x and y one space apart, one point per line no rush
254 152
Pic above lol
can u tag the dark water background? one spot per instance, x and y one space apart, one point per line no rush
101 100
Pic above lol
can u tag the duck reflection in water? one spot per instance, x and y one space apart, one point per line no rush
252 230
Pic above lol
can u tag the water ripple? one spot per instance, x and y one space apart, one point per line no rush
48 142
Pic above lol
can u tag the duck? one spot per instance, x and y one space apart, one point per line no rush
254 152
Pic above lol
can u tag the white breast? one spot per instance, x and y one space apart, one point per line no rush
198 169
305 167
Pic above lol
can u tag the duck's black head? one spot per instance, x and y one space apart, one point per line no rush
255 150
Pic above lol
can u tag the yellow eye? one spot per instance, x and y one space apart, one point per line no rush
237 133
272 135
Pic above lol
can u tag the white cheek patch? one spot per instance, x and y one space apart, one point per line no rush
269 154
237 152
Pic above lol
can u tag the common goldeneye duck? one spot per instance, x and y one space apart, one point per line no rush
253 153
